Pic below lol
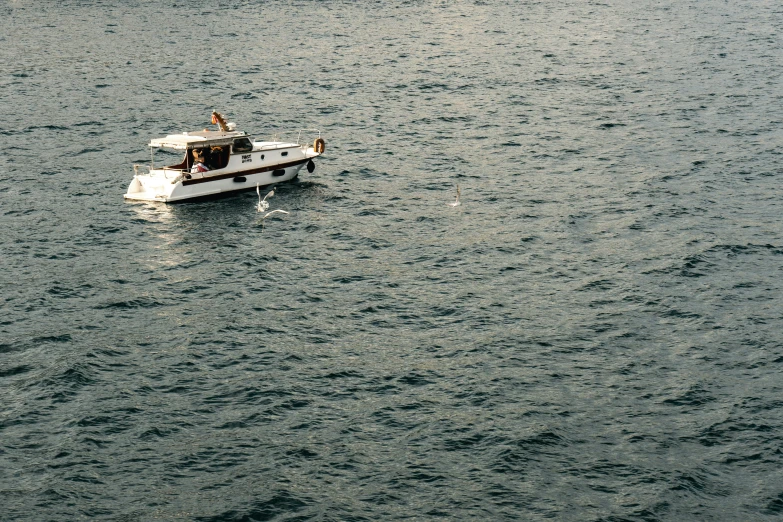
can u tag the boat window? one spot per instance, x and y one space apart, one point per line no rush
242 145
284 153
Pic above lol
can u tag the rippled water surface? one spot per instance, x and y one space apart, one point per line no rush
596 333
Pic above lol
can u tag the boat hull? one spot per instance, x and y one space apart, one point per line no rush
168 186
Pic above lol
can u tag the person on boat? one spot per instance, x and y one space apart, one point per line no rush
215 160
198 162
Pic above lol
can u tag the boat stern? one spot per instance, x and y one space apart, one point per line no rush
150 187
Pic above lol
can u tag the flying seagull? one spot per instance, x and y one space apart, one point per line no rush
275 211
262 204
263 219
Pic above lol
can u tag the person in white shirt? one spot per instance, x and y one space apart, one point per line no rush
198 162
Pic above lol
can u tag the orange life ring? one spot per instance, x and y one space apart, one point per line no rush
319 146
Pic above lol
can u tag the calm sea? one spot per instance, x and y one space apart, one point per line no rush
595 333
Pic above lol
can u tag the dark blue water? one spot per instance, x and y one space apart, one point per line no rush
596 333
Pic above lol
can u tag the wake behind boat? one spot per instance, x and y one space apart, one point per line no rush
219 161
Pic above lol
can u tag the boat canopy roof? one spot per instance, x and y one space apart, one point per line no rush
197 140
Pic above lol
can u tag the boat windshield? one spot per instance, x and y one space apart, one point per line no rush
242 145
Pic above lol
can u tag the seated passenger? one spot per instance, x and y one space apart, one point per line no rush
198 162
216 158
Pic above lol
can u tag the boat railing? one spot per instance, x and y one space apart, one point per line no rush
310 135
303 137
168 174
136 168
173 173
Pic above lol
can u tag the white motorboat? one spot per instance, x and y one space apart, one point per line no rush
219 161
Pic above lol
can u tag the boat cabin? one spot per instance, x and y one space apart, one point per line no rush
213 148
